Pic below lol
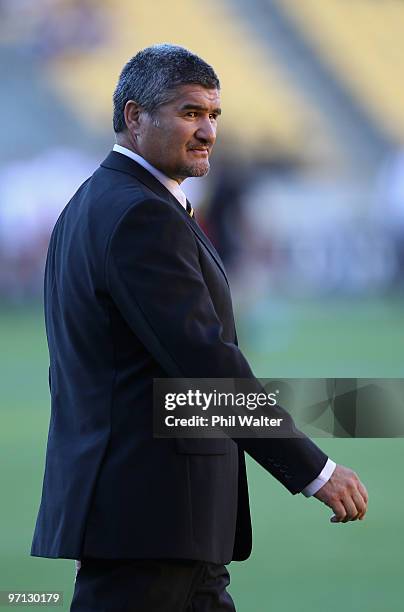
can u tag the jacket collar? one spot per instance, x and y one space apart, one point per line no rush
123 163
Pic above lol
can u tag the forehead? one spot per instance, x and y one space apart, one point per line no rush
186 95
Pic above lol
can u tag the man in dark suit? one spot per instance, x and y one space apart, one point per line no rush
135 291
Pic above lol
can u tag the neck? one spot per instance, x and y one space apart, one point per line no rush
124 141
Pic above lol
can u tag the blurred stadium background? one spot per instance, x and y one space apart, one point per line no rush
305 202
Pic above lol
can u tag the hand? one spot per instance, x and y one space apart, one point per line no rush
345 495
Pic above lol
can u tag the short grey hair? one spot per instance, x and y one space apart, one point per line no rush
150 77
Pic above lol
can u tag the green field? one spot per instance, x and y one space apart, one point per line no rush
300 561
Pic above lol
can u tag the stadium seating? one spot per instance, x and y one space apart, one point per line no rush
363 43
260 110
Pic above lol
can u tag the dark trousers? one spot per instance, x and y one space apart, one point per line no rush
126 585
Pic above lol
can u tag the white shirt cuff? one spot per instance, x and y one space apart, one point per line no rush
321 479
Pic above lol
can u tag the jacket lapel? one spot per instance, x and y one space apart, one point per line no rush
206 242
123 163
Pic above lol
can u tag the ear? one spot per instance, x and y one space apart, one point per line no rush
131 114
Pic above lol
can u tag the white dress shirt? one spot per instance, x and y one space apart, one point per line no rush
169 183
177 192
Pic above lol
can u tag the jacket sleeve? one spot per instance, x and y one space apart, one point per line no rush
154 277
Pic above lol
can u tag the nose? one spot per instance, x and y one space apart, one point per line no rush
206 131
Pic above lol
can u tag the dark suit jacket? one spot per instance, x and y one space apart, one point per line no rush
134 291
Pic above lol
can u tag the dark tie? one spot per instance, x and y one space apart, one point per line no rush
190 210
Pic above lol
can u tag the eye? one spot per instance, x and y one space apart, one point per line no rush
192 114
213 116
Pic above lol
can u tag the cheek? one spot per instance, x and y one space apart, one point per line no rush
148 139
180 137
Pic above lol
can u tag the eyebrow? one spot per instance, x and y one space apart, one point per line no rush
217 111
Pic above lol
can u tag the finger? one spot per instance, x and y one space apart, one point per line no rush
362 516
339 512
351 510
363 492
360 504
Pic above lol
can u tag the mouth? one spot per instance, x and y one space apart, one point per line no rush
203 151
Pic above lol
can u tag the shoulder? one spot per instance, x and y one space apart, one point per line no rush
117 197
151 234
154 217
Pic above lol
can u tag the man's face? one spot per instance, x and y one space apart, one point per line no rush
178 139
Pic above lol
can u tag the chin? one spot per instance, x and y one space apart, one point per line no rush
196 170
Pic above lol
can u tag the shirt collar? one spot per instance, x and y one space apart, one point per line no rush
172 185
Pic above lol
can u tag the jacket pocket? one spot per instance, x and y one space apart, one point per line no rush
202 446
